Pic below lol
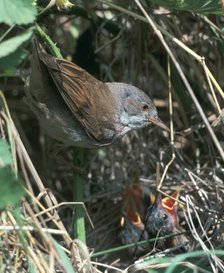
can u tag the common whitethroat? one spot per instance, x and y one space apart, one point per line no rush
74 107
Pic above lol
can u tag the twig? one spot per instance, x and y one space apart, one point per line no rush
171 126
30 228
184 79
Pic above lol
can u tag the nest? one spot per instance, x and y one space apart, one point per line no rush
39 233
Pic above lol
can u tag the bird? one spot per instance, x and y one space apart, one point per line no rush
77 109
162 219
132 228
146 215
133 231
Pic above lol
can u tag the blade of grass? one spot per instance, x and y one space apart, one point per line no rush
188 255
78 185
65 262
115 249
78 195
10 136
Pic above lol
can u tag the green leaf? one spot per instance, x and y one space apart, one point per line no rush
13 59
9 73
78 196
17 12
11 187
12 44
191 255
63 257
177 264
5 153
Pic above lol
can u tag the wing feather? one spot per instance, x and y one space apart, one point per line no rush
89 99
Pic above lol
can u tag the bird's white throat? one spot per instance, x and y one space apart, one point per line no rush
133 122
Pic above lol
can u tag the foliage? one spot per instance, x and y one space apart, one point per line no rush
10 45
196 6
12 51
122 46
17 12
11 186
5 154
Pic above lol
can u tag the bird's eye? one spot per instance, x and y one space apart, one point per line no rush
145 107
164 216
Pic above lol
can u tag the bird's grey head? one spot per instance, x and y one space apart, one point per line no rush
137 109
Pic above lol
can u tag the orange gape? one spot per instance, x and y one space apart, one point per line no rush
162 220
134 201
132 227
147 216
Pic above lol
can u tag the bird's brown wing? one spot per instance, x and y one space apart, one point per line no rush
89 99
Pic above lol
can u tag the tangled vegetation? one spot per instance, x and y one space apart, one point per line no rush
61 207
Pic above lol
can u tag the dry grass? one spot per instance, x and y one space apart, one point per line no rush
139 57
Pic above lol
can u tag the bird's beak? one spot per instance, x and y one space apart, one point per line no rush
158 122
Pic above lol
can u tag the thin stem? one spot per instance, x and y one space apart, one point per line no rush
184 79
78 195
